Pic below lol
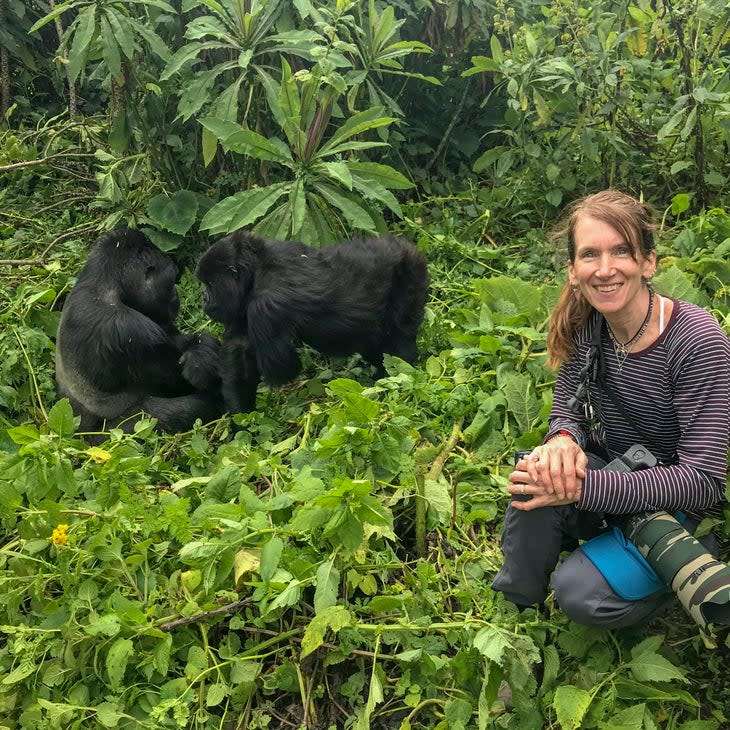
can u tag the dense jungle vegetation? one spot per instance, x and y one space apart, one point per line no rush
328 565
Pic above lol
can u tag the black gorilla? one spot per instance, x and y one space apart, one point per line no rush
118 351
364 296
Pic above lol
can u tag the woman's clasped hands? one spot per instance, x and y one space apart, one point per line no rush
551 475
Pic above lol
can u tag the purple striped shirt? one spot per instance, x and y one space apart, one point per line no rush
678 391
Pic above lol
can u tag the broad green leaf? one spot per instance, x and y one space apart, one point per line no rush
384 175
187 54
522 402
270 558
676 283
246 142
116 661
668 127
220 127
510 296
679 166
108 625
629 689
85 30
108 714
437 493
223 485
655 668
570 705
110 49
241 209
197 92
199 551
55 13
298 205
123 36
355 215
481 64
154 42
689 125
339 171
492 643
332 618
161 654
372 190
21 672
357 124
496 48
631 718
216 694
328 580
176 212
61 418
290 596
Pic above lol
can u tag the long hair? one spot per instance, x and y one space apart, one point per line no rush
625 214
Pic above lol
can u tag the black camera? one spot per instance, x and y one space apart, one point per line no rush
634 458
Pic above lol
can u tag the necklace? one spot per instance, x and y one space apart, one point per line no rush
622 348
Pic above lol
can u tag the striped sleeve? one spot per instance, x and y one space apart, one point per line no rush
678 389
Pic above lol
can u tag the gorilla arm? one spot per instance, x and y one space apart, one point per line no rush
240 375
150 354
272 337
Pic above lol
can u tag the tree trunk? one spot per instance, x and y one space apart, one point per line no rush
4 67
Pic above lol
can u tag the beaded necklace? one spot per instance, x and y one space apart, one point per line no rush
622 348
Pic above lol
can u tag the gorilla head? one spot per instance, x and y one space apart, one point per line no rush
118 352
141 276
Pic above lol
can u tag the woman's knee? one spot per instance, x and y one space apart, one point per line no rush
586 598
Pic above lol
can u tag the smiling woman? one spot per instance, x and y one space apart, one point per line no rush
635 367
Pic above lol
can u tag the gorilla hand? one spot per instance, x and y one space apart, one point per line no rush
201 361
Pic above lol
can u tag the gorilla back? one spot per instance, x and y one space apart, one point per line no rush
118 351
365 296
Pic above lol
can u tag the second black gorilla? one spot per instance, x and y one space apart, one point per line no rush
364 296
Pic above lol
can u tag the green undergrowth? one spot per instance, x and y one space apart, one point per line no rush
327 564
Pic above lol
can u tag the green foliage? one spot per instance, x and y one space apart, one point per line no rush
604 95
328 194
198 580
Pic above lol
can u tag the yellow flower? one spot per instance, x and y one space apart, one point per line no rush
60 536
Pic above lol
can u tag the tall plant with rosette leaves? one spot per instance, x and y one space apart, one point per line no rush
326 193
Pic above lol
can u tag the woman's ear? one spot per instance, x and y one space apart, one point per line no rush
648 268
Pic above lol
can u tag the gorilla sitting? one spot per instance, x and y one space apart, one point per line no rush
118 351
364 296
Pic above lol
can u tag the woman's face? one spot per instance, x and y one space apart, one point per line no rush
604 270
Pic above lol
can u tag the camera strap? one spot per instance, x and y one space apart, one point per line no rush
594 372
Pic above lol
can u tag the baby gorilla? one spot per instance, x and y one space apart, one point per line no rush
364 296
118 351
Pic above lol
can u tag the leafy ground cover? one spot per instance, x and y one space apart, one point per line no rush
329 565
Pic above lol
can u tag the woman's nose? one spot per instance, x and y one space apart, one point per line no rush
605 266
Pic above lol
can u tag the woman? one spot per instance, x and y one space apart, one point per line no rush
665 384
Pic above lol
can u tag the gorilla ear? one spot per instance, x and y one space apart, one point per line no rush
233 270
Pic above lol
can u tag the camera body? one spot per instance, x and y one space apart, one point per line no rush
634 458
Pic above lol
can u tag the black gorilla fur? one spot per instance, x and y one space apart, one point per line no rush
118 351
365 296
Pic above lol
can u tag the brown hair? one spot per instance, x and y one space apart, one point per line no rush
627 215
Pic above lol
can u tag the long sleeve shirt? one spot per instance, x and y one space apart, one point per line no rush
678 391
